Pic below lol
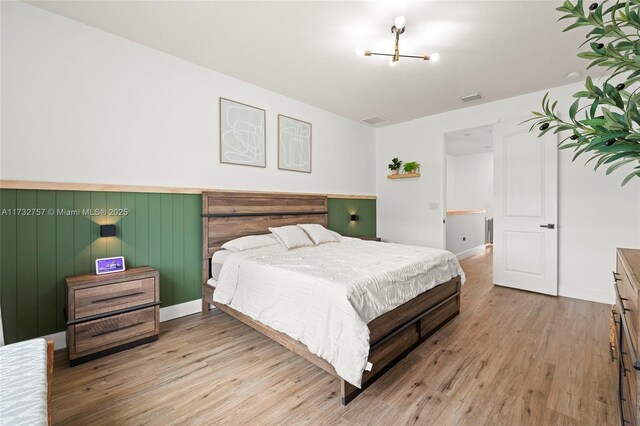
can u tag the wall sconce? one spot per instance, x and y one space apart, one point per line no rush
355 218
107 230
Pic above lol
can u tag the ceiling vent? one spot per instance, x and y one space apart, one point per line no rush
375 120
471 97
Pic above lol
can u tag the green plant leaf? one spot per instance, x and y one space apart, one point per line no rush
618 165
630 176
574 109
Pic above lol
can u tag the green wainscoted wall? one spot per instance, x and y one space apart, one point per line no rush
38 252
160 230
340 210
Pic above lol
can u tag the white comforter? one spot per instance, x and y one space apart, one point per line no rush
324 296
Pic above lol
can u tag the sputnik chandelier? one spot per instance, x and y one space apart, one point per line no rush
398 28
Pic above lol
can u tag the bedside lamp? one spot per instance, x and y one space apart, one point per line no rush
354 218
107 230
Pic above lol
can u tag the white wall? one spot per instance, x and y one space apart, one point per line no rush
465 233
595 214
470 182
450 182
83 105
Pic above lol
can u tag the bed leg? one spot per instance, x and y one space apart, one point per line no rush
348 392
207 298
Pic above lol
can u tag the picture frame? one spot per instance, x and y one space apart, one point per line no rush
109 265
294 144
242 134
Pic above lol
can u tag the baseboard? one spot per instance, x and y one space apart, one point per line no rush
180 310
166 314
471 252
591 295
59 340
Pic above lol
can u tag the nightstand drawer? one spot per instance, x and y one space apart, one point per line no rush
112 297
107 332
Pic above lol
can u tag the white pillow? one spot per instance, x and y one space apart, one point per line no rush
291 236
337 236
250 242
318 233
217 260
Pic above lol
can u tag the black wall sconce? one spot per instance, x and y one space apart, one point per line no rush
355 218
107 230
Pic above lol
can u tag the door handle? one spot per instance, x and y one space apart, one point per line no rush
549 226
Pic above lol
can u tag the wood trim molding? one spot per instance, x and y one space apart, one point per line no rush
352 197
459 212
68 186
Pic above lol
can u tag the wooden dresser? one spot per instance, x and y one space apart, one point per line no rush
627 322
112 312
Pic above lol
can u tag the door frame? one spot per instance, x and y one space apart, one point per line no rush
443 199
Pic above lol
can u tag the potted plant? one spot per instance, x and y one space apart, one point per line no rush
412 167
604 120
395 166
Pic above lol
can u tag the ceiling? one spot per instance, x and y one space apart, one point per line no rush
306 49
470 141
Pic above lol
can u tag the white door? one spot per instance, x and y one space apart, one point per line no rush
525 253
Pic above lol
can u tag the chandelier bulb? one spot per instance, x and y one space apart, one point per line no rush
400 22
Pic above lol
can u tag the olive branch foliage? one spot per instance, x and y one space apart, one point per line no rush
604 120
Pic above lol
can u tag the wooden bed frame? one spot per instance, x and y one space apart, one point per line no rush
226 216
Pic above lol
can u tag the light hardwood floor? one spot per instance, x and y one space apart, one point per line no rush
510 358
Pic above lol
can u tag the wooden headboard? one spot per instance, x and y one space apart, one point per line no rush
229 215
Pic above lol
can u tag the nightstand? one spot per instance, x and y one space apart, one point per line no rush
371 238
111 312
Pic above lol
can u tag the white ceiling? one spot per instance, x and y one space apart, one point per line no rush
470 141
306 50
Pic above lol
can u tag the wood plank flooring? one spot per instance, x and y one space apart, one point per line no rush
510 358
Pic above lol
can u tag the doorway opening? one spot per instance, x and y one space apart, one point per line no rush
469 191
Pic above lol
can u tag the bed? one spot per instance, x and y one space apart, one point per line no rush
26 379
377 327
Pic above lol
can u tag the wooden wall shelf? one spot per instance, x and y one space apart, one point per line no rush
404 176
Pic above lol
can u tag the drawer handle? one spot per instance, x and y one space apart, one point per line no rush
106 299
624 310
615 276
102 333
